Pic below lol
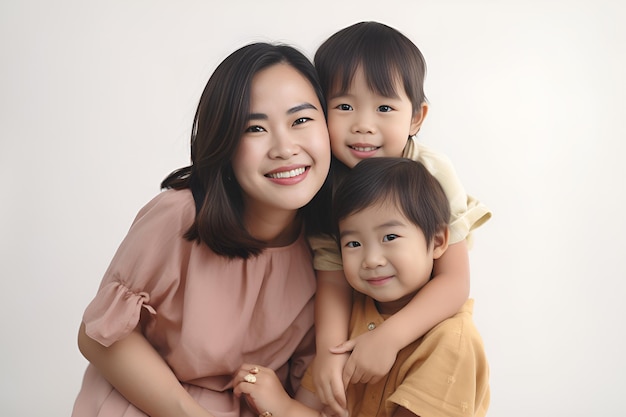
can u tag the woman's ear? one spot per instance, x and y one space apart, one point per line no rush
418 119
440 242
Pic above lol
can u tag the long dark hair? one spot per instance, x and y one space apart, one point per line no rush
218 125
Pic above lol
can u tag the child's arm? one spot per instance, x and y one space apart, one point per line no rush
374 352
137 371
333 303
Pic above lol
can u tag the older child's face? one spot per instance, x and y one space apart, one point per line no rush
386 256
363 124
284 155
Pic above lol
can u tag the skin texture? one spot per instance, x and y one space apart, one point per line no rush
283 156
387 257
288 132
364 124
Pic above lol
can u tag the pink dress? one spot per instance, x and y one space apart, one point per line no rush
206 314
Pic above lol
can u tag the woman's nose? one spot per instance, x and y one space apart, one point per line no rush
284 146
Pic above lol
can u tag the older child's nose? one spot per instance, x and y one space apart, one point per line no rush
363 125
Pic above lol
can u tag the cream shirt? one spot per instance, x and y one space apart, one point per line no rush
467 213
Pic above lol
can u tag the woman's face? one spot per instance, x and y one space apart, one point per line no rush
284 154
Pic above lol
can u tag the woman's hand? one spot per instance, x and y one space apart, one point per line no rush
264 391
266 395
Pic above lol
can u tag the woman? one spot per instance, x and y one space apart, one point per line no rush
215 271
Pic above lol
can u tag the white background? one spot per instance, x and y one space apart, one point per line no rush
527 99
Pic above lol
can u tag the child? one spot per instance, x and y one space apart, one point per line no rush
373 77
216 270
392 222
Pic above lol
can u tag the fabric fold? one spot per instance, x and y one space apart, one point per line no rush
114 313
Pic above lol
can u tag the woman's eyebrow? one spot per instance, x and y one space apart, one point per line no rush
257 116
295 109
303 106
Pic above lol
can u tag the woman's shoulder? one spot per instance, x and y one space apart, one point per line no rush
169 208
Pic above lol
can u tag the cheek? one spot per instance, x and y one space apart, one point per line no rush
350 267
244 161
335 129
321 143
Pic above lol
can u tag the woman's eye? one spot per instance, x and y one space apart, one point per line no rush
344 107
385 109
353 244
390 237
301 120
255 128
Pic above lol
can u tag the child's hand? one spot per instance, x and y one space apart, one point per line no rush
371 359
327 376
264 392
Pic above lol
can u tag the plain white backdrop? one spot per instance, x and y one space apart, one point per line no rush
527 98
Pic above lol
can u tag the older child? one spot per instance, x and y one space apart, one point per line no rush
373 78
392 218
216 271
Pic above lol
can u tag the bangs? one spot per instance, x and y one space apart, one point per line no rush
382 77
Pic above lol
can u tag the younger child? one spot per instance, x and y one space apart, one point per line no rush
392 218
372 77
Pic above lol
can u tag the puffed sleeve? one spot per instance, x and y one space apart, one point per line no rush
145 269
466 212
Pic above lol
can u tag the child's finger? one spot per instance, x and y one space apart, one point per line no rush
349 375
339 394
344 347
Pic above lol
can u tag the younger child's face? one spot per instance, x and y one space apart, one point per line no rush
363 124
386 256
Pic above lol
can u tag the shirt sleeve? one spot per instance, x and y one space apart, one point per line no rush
448 373
326 255
466 212
145 269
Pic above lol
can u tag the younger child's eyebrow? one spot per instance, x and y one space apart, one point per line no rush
345 233
390 223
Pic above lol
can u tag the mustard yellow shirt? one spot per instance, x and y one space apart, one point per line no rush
467 213
444 373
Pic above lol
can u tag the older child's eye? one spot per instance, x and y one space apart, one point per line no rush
301 120
390 237
344 107
353 244
255 128
385 109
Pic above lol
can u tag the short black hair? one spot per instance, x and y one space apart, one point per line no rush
401 181
385 56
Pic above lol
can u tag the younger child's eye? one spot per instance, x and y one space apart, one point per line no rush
254 128
344 107
390 237
385 109
353 244
301 120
